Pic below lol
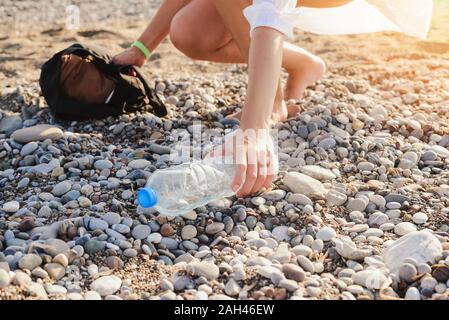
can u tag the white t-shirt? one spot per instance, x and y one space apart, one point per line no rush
412 17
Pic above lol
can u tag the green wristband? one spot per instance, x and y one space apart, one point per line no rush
139 45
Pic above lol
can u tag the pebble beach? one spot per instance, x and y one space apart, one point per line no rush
360 210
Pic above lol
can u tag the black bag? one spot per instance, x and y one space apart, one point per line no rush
131 93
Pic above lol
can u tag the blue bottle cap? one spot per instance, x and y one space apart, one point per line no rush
147 197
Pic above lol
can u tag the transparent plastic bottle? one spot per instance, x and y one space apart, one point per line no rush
180 189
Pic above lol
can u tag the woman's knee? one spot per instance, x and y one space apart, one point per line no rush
198 31
186 39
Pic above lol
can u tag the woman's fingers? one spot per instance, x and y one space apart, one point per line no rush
273 169
251 169
240 172
254 161
129 57
117 60
250 179
268 181
122 59
260 182
263 163
239 178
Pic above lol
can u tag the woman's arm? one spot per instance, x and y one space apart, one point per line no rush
255 160
153 35
159 27
264 71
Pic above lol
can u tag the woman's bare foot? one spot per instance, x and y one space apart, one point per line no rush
284 111
309 70
281 114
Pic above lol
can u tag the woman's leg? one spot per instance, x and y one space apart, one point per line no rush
188 34
198 31
304 69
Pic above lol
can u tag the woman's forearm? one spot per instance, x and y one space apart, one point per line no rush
264 72
264 69
159 27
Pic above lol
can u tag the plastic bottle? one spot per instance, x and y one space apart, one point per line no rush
180 189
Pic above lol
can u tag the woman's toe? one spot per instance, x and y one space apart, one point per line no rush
293 110
235 115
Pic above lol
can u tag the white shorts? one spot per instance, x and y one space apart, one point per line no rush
412 17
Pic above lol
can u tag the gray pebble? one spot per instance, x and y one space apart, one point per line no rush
61 188
141 232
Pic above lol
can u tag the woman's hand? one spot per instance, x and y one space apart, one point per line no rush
130 57
254 158
156 31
